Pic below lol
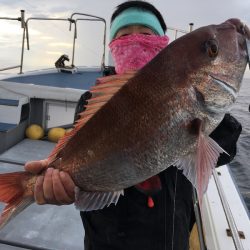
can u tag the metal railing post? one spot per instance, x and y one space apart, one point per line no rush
23 25
191 25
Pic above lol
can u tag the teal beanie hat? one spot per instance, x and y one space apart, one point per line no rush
135 16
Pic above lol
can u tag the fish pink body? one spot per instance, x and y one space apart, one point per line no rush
139 123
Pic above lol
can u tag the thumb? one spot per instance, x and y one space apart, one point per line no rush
35 167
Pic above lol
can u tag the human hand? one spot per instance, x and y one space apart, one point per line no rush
54 187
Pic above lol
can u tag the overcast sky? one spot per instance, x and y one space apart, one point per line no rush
54 39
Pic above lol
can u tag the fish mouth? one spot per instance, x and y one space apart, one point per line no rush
225 86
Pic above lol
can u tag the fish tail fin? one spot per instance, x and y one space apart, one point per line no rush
15 193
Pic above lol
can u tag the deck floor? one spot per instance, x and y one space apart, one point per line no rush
40 227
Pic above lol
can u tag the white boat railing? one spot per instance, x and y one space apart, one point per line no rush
222 221
228 214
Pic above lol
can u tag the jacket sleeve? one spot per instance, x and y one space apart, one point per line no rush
82 102
226 135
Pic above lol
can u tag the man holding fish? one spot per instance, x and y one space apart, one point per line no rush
155 210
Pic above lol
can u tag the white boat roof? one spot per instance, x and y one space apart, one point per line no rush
83 79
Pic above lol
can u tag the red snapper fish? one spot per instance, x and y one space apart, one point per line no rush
140 123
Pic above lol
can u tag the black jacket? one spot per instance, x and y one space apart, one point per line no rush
132 225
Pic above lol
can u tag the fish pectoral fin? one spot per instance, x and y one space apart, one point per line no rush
198 166
88 201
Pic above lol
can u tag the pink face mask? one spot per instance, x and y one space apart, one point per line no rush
133 51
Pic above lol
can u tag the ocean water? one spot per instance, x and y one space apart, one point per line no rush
240 166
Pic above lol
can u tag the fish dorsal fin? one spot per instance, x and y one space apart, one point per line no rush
198 166
105 88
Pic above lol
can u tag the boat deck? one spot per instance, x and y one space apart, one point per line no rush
39 227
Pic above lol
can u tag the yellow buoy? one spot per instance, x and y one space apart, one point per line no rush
55 134
34 132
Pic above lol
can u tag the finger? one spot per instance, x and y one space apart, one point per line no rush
35 167
68 184
38 191
60 194
48 187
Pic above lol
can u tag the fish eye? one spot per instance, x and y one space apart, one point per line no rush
211 48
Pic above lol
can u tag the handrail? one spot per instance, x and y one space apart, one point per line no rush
10 18
26 31
42 19
92 18
176 31
70 20
181 30
22 20
88 15
11 67
104 39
